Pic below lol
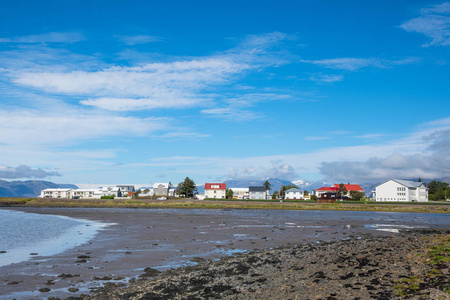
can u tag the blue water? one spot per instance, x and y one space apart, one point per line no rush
26 235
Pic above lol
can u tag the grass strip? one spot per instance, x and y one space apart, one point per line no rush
138 203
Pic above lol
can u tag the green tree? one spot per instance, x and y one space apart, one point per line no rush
342 191
229 193
356 195
437 190
305 193
435 186
187 188
267 185
275 195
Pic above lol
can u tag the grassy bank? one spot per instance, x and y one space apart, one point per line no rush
145 203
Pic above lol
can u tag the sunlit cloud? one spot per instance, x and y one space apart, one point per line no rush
176 84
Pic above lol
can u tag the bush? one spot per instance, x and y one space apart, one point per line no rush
107 197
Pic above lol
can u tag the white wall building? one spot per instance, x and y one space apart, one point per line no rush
126 190
257 192
401 190
86 193
240 193
293 194
112 191
161 189
56 193
215 190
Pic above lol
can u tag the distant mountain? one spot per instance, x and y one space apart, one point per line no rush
29 188
275 183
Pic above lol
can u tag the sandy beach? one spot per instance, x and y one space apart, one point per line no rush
163 239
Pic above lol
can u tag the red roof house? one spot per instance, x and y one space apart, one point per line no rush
350 187
215 186
215 190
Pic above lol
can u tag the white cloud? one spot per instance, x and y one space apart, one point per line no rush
316 138
129 104
277 169
23 171
232 114
327 78
422 153
353 63
177 84
433 22
51 37
138 39
433 162
370 136
58 127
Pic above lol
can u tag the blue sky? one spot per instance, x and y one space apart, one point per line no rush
154 91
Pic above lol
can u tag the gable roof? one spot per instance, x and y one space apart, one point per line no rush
410 184
327 188
220 186
407 183
256 188
165 185
350 187
293 190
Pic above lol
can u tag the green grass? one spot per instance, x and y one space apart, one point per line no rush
225 204
434 257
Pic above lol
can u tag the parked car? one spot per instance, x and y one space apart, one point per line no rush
161 198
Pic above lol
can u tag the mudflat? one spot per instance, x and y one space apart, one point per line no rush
143 242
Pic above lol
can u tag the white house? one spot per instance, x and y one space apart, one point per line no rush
126 190
86 193
240 193
293 194
401 190
111 191
161 189
55 193
257 192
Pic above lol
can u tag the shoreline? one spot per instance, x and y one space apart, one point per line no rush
162 239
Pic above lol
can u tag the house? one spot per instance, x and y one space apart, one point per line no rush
161 189
55 193
215 190
335 188
328 197
112 191
126 190
350 187
86 193
257 192
401 190
326 189
293 194
240 193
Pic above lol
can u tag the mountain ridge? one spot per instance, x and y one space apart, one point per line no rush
28 188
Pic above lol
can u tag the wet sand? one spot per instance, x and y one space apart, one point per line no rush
168 238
